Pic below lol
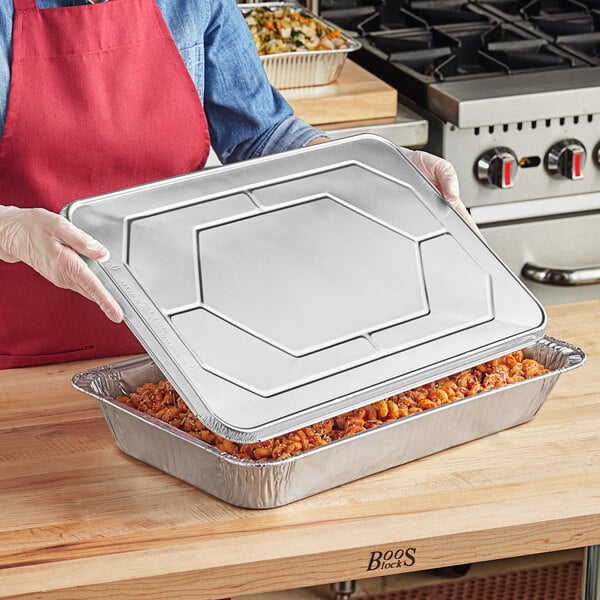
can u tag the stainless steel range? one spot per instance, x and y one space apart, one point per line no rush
511 91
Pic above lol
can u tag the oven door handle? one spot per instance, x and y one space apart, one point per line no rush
561 277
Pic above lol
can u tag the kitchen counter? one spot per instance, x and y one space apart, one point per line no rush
358 102
80 519
405 129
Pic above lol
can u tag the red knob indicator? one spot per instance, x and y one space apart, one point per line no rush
497 167
566 159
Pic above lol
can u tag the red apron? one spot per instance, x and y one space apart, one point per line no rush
100 100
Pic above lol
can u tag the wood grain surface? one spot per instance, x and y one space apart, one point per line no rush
79 519
357 95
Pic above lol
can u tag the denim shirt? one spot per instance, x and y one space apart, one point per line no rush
246 116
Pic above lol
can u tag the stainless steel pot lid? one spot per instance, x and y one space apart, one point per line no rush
280 291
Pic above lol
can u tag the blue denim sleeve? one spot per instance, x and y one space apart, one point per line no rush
247 117
6 17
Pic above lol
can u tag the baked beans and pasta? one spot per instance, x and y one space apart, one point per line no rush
160 400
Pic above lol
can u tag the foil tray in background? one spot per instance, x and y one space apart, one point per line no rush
269 484
304 68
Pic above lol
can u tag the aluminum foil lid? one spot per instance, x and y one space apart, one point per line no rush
284 290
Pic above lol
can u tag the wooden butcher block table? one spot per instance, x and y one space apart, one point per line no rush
356 95
80 519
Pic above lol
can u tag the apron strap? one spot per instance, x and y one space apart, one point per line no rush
21 5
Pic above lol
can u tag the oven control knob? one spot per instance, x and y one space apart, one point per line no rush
566 159
497 167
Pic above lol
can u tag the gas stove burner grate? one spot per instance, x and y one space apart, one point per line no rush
466 50
568 23
525 9
447 63
528 57
349 18
446 12
413 44
548 18
473 37
552 7
424 14
585 45
390 18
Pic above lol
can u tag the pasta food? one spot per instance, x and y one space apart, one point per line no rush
277 30
160 400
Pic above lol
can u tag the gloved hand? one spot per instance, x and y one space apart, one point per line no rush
442 175
50 244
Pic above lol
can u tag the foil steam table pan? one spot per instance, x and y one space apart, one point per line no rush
303 68
281 291
269 484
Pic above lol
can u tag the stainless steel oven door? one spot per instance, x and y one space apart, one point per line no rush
557 257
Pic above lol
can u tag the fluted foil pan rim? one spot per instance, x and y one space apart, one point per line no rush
254 484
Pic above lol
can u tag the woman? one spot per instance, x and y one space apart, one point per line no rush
95 98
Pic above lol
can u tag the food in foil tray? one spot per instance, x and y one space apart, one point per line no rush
160 400
285 29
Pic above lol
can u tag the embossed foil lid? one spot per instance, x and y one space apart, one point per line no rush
284 290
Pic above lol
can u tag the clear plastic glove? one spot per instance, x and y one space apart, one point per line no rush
443 177
51 245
